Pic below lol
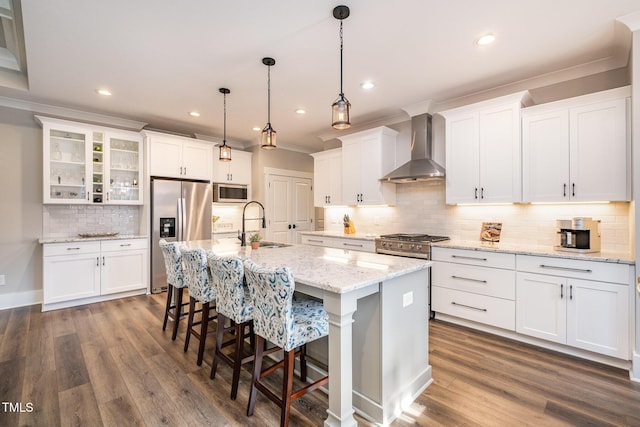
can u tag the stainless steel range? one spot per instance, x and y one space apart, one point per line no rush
407 244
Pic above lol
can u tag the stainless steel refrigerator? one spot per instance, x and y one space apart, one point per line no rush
180 211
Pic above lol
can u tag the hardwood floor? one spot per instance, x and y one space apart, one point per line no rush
111 364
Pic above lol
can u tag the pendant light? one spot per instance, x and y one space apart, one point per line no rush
340 108
268 138
225 150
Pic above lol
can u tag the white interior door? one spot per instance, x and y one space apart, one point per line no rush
289 206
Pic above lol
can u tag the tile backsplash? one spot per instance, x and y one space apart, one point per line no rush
69 220
420 207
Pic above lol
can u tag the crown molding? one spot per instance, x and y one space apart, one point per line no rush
631 20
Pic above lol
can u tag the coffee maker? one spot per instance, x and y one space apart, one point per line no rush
580 234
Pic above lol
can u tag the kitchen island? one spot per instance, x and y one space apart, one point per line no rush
378 358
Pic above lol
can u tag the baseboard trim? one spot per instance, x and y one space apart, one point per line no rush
634 372
20 299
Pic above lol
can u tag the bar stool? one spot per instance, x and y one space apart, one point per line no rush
286 323
175 282
197 276
232 302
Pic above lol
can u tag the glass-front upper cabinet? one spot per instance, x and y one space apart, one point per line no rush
84 164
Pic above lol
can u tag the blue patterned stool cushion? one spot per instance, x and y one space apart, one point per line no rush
196 275
276 317
232 295
173 263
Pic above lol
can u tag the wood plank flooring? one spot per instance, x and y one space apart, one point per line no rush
111 364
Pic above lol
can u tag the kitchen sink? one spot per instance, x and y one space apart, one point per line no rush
264 244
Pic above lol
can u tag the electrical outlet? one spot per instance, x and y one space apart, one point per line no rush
407 299
2 281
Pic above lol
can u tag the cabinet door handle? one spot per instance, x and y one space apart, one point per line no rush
469 279
231 177
561 291
73 249
329 198
353 244
554 267
468 306
125 244
573 189
475 193
102 260
482 192
97 261
88 195
469 257
564 190
315 241
571 292
185 170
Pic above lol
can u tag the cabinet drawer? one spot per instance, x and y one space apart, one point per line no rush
478 308
589 270
71 248
353 244
471 257
314 240
123 245
479 280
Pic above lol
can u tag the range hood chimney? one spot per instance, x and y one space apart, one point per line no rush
421 167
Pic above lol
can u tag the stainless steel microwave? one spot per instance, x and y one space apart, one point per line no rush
230 193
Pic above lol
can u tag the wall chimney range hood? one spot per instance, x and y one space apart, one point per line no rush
421 167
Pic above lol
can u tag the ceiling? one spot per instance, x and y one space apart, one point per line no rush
162 59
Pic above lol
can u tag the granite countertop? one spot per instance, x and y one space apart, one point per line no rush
335 270
526 249
357 236
71 239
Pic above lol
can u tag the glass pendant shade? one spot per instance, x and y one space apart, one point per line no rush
225 152
340 113
268 137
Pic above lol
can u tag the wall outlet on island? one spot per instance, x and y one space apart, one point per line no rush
407 299
2 281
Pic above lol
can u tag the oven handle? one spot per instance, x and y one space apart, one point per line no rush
404 254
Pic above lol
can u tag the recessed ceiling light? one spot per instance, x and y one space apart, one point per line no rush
300 111
367 85
257 129
194 114
485 39
104 92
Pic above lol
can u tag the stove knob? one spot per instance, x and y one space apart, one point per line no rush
412 246
400 245
384 244
419 247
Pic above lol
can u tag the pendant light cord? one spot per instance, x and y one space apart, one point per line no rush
269 95
341 92
224 138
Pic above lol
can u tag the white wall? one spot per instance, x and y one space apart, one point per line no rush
21 207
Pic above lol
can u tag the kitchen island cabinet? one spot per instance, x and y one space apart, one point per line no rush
77 272
578 149
326 239
378 353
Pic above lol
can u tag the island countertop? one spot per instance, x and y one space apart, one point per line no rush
335 270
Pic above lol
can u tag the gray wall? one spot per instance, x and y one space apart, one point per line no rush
21 204
278 159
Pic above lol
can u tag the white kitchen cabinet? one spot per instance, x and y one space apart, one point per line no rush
554 302
237 171
78 273
367 156
85 164
483 151
474 285
327 178
349 243
577 149
174 156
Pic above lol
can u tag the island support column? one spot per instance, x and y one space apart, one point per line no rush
340 308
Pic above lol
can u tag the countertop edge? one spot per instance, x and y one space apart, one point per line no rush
47 240
338 234
546 251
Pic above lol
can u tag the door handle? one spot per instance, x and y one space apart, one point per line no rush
294 226
289 226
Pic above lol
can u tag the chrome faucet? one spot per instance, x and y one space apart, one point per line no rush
243 236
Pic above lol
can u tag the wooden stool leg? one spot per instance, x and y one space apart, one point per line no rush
257 368
216 353
237 361
303 362
168 306
178 313
287 387
203 331
192 309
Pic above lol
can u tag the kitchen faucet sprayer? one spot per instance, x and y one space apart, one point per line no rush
243 235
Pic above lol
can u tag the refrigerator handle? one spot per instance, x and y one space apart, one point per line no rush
185 220
180 220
